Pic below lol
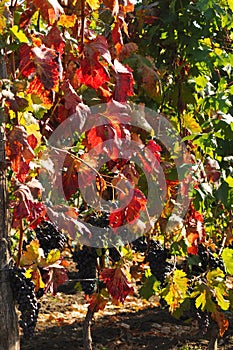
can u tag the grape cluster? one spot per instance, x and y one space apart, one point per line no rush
99 219
114 254
157 258
24 294
86 259
203 319
140 245
50 237
208 259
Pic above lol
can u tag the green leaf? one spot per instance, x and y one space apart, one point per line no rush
149 287
227 256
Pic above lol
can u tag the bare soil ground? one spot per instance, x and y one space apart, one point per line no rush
139 325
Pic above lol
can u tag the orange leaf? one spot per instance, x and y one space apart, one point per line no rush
67 21
222 322
97 302
49 9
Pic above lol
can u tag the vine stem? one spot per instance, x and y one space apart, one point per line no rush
82 22
21 232
87 339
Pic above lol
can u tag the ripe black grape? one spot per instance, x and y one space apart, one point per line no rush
50 237
157 258
24 294
203 319
86 259
114 254
208 260
99 219
140 245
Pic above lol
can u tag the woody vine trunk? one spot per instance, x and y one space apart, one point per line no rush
9 335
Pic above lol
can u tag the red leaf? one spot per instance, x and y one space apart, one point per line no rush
195 231
72 105
70 176
124 82
32 141
117 218
19 151
98 47
129 213
117 37
53 277
117 284
222 322
26 65
92 73
55 41
26 207
46 62
72 99
154 148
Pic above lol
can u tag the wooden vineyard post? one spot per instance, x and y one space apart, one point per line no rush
9 334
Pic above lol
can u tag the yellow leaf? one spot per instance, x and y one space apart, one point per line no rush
176 290
31 125
53 256
201 300
3 8
230 4
94 4
32 255
191 124
19 34
35 275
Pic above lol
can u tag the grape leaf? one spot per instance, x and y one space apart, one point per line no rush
32 255
195 230
190 123
227 256
97 302
131 212
37 88
26 16
49 9
149 287
70 175
53 276
94 4
19 152
54 40
176 289
67 21
124 82
35 275
66 219
222 322
92 73
46 62
117 284
26 207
